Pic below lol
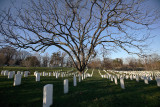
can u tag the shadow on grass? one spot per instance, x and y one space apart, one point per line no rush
92 92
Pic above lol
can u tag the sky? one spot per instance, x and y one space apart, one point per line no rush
154 46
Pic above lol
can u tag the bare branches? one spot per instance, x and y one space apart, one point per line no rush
77 26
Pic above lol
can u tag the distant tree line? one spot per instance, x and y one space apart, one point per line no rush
9 56
150 62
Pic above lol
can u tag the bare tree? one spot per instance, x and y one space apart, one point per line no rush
2 59
107 63
135 63
20 56
117 63
152 62
57 59
63 55
95 63
11 62
9 53
78 26
31 61
69 62
132 62
45 60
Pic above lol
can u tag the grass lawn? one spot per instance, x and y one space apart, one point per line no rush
32 69
92 92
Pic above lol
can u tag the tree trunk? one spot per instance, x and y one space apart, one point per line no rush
81 73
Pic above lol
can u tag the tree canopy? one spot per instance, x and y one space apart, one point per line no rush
78 27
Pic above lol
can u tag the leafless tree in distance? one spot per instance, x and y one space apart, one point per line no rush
2 60
9 54
45 60
78 27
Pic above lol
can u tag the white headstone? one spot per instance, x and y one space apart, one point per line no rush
150 78
82 76
48 95
18 72
137 78
49 73
127 76
79 78
10 75
5 73
158 81
37 76
13 72
26 74
34 73
131 77
21 73
145 80
66 86
74 81
134 76
2 72
111 78
62 74
17 80
44 74
53 73
56 75
122 83
118 76
115 80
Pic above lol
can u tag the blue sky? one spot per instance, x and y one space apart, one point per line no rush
154 47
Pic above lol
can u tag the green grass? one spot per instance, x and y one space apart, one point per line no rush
32 69
92 92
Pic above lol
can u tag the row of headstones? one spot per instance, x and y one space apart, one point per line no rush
84 76
148 76
64 74
113 78
17 79
18 76
140 73
128 76
48 91
144 77
56 74
11 74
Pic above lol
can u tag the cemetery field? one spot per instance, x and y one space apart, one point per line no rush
94 91
32 69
